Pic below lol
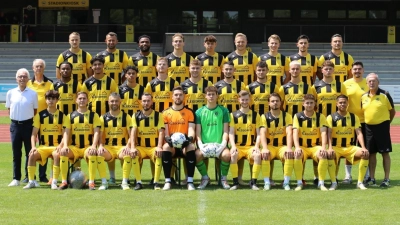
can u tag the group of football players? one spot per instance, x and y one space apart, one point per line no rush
230 108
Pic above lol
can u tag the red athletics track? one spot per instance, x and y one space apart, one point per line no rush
5 130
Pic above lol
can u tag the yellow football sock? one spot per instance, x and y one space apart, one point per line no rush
332 169
126 167
322 168
298 169
56 172
265 168
136 169
288 167
234 170
101 166
362 169
256 171
64 167
92 167
157 171
31 172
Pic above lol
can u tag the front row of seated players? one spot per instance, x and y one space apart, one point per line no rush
112 130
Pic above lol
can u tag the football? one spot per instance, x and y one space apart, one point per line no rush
210 150
178 139
77 179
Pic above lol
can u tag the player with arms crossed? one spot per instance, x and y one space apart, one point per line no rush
276 140
310 139
244 138
49 124
80 139
148 134
212 130
178 118
342 126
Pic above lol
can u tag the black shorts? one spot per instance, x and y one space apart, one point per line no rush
378 138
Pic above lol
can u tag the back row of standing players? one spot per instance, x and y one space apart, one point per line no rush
271 73
245 74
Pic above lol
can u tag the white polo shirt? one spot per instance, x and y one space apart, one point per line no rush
21 103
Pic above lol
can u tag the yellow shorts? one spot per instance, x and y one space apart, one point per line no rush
45 152
78 153
311 153
147 152
245 152
347 152
114 151
277 152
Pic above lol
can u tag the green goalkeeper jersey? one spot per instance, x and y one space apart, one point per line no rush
212 123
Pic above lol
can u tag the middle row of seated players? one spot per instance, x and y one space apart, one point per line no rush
104 139
100 86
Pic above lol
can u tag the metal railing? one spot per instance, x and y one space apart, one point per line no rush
199 28
322 33
60 32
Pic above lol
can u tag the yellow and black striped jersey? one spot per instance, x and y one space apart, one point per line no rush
343 63
259 95
228 93
82 127
343 129
211 66
178 67
80 62
309 128
327 94
309 66
66 102
245 125
276 127
98 92
146 66
115 62
277 65
161 90
50 127
131 98
148 128
245 65
40 88
354 91
194 93
115 130
292 96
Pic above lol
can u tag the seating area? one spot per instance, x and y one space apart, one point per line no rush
383 59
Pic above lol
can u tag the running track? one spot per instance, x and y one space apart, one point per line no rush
5 130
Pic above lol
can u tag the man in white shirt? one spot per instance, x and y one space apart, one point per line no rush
22 104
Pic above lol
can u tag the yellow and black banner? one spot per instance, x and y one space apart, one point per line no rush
63 3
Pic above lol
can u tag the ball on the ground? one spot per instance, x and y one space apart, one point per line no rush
178 139
77 179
